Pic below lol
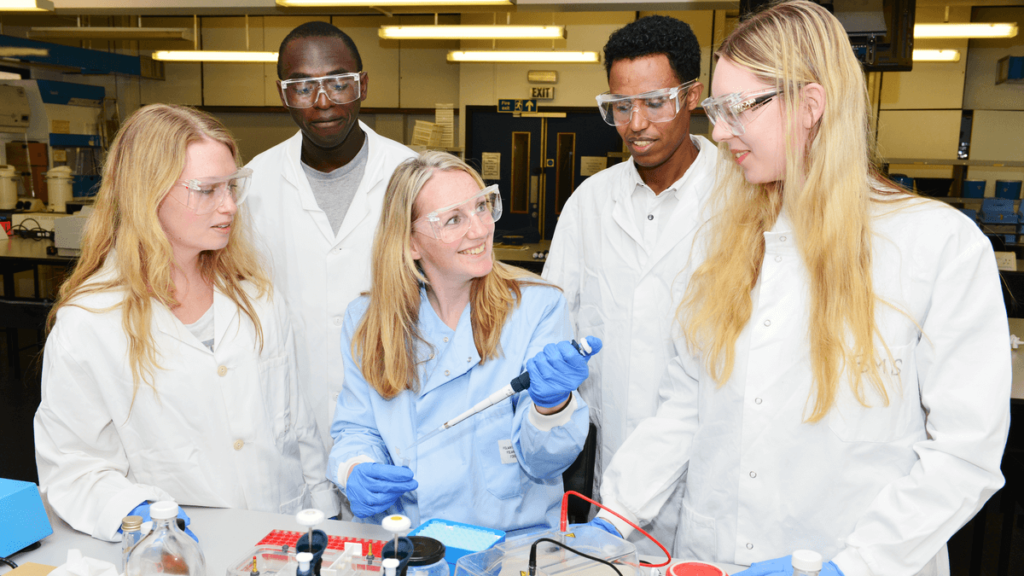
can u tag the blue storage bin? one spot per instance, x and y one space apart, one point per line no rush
903 180
459 539
974 189
997 211
23 520
972 214
1009 189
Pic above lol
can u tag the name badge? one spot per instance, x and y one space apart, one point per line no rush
507 452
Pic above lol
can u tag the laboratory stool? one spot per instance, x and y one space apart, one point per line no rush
579 476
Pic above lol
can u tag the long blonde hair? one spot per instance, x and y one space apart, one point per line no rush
145 160
384 343
828 190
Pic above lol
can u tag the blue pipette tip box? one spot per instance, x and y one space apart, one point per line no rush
23 520
459 539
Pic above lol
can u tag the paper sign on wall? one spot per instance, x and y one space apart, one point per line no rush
490 164
590 165
1006 261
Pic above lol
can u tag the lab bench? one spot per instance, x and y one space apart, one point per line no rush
224 536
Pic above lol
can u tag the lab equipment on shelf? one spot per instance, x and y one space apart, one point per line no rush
166 549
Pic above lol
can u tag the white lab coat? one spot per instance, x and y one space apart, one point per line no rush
878 490
224 429
623 295
317 272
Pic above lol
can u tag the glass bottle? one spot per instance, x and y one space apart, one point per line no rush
131 533
806 563
166 549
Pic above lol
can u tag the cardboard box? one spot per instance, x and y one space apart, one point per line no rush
23 519
33 152
31 569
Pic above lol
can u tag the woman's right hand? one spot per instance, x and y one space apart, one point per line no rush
372 488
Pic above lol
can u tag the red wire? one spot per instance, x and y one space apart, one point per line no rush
565 525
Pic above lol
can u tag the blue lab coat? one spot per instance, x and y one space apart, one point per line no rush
501 468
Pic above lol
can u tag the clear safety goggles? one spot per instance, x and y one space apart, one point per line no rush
451 223
738 108
657 105
207 194
304 92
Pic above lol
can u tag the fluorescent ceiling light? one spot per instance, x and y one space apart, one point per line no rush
213 56
976 30
26 5
521 56
111 33
471 32
372 3
936 55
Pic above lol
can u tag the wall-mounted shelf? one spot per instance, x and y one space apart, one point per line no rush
939 162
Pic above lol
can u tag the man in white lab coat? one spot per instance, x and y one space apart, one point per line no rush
316 200
625 234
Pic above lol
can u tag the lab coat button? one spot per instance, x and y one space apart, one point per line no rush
778 258
767 322
750 546
650 216
469 360
222 371
445 339
753 474
782 238
446 372
338 321
335 397
757 401
239 444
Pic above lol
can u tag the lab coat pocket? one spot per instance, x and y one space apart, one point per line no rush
494 449
878 421
590 302
276 384
175 470
696 538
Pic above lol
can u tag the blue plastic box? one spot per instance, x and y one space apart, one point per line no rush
23 520
459 539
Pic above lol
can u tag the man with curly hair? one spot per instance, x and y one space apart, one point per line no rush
625 234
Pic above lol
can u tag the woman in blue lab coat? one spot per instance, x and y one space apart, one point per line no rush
443 326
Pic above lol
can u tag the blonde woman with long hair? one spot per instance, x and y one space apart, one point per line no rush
444 326
849 384
169 371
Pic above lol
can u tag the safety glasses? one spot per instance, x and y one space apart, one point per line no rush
304 92
737 109
451 223
656 106
207 194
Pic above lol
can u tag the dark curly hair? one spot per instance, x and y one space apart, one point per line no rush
656 35
317 29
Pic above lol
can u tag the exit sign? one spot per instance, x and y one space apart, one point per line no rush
542 92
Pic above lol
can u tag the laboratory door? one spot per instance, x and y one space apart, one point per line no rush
538 162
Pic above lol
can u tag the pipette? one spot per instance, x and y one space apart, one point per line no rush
518 384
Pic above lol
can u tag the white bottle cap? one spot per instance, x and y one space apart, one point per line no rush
304 559
807 560
396 523
309 517
585 345
390 566
163 510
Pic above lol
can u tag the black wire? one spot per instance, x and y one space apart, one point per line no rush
8 562
533 555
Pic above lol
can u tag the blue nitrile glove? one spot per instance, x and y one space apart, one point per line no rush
557 370
600 524
784 567
143 510
372 488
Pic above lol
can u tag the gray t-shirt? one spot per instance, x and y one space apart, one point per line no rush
334 190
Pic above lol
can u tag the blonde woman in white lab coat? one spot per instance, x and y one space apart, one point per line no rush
850 391
169 370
